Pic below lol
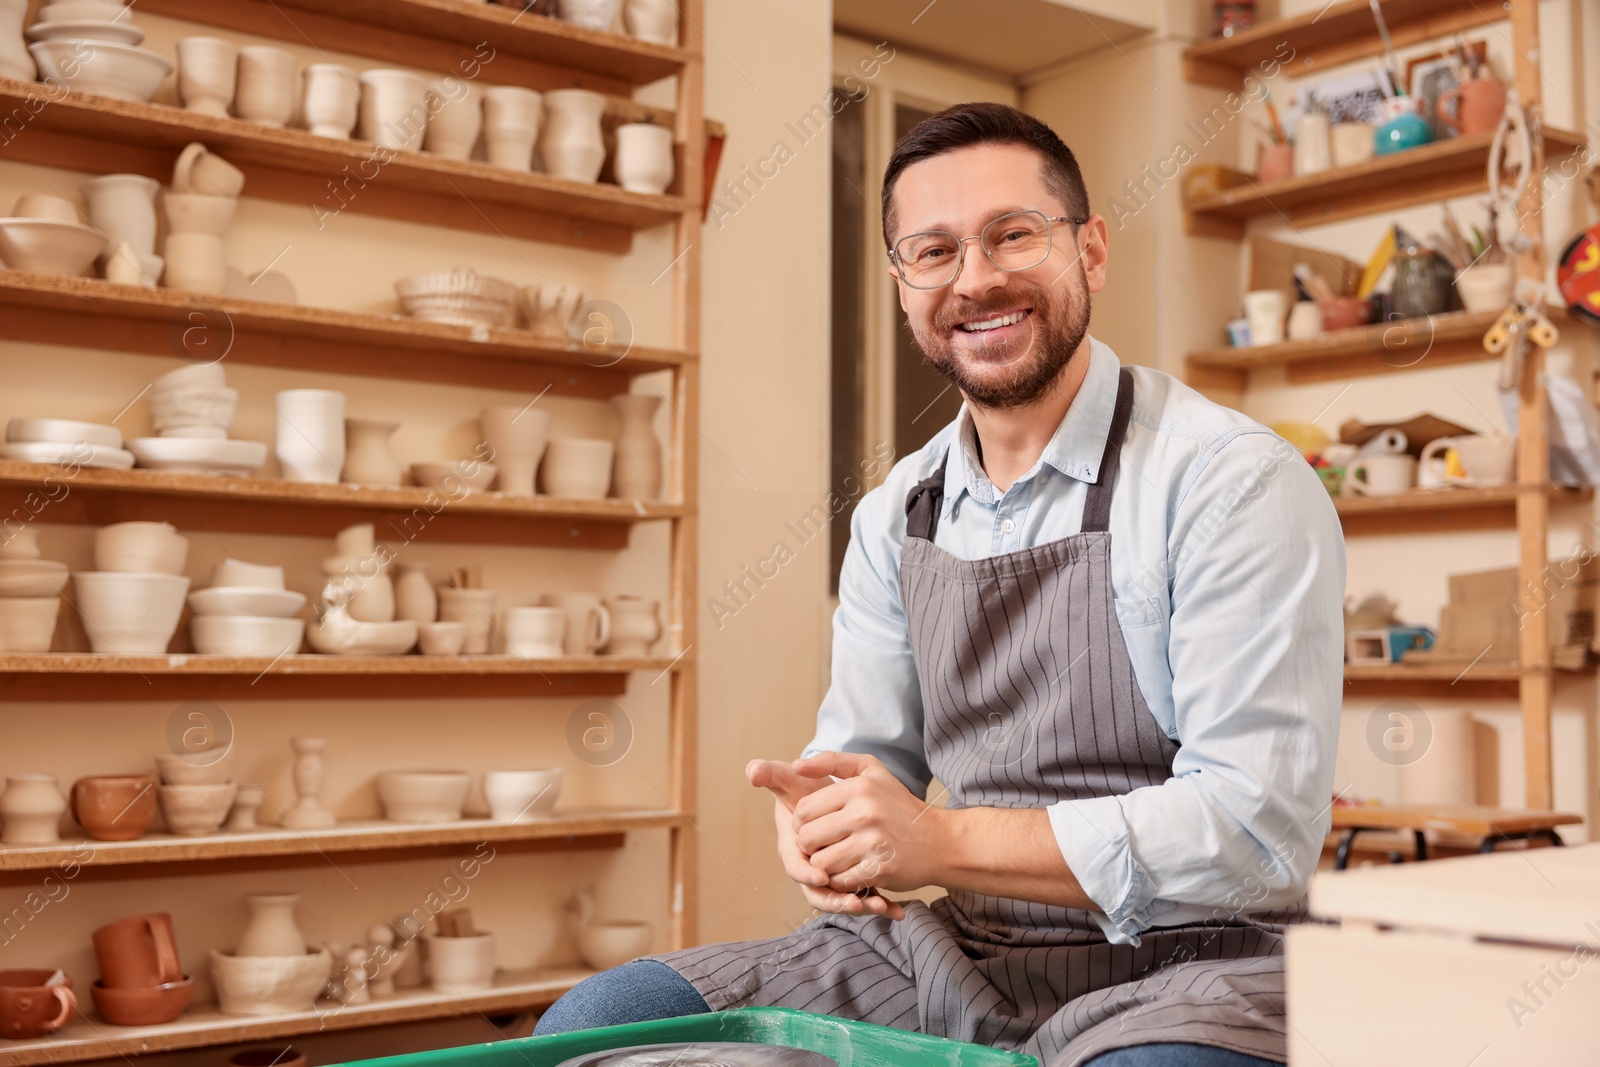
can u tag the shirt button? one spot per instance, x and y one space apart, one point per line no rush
1007 526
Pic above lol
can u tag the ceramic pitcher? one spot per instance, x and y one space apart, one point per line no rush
571 144
15 59
636 470
31 810
272 930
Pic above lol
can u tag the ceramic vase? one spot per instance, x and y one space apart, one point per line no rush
518 435
15 59
123 208
264 92
367 459
644 157
511 120
636 471
310 438
308 811
196 262
635 625
31 810
655 21
455 118
394 108
208 74
272 930
414 597
571 145
332 99
590 14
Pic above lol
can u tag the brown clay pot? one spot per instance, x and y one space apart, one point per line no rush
138 952
1478 106
142 1007
114 807
285 1056
29 1008
1343 312
1277 163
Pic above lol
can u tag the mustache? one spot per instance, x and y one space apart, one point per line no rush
950 318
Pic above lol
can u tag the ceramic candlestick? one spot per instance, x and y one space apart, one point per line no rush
308 811
264 92
518 434
511 120
644 162
367 459
571 145
332 99
208 74
636 472
246 802
310 437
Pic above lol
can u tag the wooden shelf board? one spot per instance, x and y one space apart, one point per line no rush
1337 33
1466 819
326 175
49 676
347 837
1437 510
268 505
509 47
1445 673
87 312
1422 175
202 1025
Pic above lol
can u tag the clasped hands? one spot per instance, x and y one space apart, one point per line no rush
846 827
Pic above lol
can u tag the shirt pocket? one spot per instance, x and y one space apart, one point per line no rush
1145 626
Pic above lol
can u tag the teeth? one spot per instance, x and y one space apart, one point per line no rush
994 323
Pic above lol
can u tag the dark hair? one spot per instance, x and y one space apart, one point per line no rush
983 123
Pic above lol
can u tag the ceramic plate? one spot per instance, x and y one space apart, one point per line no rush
84 30
84 455
196 455
246 600
63 431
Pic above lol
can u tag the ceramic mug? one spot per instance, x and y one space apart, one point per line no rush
1265 310
1312 151
588 625
534 633
1478 106
1483 460
34 1002
139 952
1352 143
1382 474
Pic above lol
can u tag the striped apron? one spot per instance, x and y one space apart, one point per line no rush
1029 699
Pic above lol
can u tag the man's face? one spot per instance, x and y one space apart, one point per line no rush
1002 337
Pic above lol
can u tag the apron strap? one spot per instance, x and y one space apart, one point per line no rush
924 503
1097 507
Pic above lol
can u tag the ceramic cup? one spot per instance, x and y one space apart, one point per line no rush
474 609
34 1002
514 795
518 434
1265 310
455 118
332 99
571 144
644 157
1305 320
588 622
196 262
1477 106
208 74
265 90
441 638
310 437
114 807
535 632
1277 162
655 21
1312 149
1351 143
394 108
138 952
199 171
1384 474
591 14
1483 460
578 467
511 120
461 964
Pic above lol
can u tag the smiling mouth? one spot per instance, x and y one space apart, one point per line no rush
990 323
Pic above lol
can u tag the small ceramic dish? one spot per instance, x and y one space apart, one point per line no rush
63 431
423 796
607 945
196 455
452 477
247 600
461 297
142 1007
49 247
246 636
122 31
64 455
116 70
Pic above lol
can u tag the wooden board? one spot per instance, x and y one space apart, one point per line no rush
1472 820
1441 510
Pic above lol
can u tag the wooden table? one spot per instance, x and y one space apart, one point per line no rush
1490 826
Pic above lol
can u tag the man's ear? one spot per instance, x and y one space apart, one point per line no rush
1095 252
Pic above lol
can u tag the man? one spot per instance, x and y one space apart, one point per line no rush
1105 614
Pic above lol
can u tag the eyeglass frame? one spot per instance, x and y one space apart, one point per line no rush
961 246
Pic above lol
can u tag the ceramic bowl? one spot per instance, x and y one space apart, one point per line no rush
198 450
174 769
32 578
192 810
462 297
269 985
352 638
63 431
116 70
70 456
140 548
244 635
261 603
120 32
129 614
142 1007
1343 312
607 945
423 796
441 638
193 406
194 376
84 11
49 247
233 574
514 795
28 624
45 206
461 964
452 478
199 213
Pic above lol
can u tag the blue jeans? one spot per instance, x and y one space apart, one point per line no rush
645 990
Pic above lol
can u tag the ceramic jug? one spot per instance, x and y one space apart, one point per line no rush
635 625
366 586
414 597
15 59
571 145
636 470
272 930
655 21
367 459
31 809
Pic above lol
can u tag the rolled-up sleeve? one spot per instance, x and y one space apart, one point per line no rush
1255 647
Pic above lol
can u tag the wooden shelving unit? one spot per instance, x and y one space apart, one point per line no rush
1439 510
1340 33
97 135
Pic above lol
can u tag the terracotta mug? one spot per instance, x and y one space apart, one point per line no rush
114 807
1479 105
138 952
34 1002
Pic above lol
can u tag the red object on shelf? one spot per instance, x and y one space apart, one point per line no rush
1231 18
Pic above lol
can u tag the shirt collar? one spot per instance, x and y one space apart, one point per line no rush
1075 449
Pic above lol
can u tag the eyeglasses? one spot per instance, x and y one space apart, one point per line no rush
1018 241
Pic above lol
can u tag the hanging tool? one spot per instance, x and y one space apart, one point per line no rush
1504 196
1518 325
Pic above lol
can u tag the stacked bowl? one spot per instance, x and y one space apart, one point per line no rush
30 600
246 612
192 409
93 46
65 443
43 234
200 209
196 791
132 601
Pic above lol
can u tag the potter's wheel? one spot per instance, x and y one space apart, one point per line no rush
702 1054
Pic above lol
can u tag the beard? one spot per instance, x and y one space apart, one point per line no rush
1021 370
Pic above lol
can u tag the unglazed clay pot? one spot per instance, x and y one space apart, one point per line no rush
272 930
394 108
655 21
123 208
577 467
208 74
367 459
518 435
571 145
138 952
414 597
635 625
636 473
332 99
265 90
196 810
142 1007
310 438
269 985
644 157
31 810
461 964
511 120
455 117
114 807
35 1002
15 59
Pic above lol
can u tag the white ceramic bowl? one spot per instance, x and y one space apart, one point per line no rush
193 376
461 964
193 406
363 638
140 548
198 455
129 614
174 769
116 70
84 11
423 796
28 624
269 985
192 810
245 635
32 577
441 638
452 478
123 31
607 945
244 600
49 247
514 795
461 297
63 431
234 574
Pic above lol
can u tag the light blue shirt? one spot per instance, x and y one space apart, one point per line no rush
1227 567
